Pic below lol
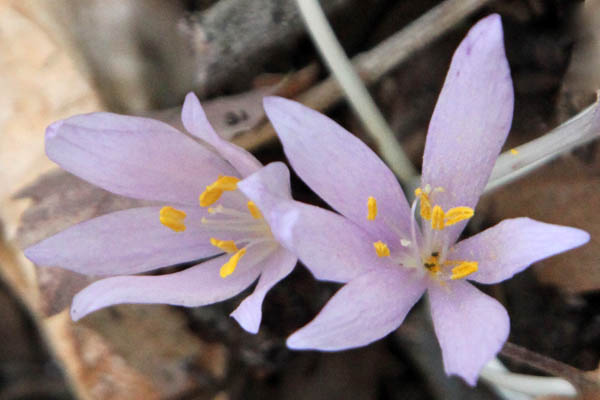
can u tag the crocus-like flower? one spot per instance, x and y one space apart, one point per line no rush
376 245
200 214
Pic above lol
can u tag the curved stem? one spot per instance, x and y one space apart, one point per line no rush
549 366
520 386
355 91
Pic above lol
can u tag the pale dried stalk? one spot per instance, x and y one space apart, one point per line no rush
513 386
582 128
372 65
355 90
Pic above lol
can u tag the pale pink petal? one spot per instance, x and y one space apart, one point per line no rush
268 186
275 268
134 157
513 245
362 311
331 246
195 122
339 167
193 287
125 242
470 326
471 120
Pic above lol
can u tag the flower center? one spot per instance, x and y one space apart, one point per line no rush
248 225
429 254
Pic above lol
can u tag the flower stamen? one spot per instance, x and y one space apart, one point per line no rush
437 218
464 269
172 218
227 246
371 208
214 191
423 196
381 249
229 267
457 214
254 210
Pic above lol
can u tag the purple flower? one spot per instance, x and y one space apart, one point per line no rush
147 159
377 246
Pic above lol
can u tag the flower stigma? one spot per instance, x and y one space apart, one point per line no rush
429 254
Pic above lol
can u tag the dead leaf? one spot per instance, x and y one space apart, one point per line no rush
156 341
41 84
97 372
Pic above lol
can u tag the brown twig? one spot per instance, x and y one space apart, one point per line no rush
375 63
578 378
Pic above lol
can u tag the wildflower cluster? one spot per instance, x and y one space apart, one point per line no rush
216 200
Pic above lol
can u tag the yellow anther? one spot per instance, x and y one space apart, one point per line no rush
437 218
226 183
172 218
514 152
371 208
225 245
425 203
457 214
254 211
214 191
228 268
381 249
464 269
432 263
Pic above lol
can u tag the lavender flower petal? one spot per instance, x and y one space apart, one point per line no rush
268 187
338 166
364 310
136 157
195 122
332 247
471 120
124 242
513 245
470 326
275 268
192 287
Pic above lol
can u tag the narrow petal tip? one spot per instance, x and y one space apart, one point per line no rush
297 342
52 129
80 309
273 103
191 100
249 321
37 254
30 253
269 101
490 27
